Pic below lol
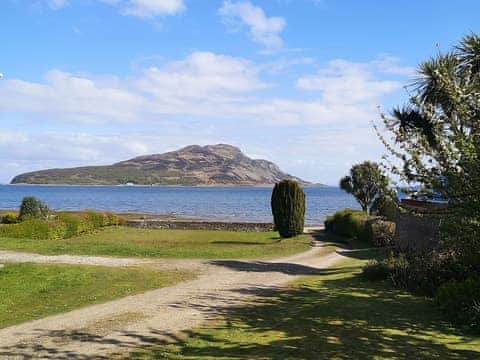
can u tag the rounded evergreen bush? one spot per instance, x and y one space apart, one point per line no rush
288 208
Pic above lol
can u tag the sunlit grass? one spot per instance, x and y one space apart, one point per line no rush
33 291
125 241
337 315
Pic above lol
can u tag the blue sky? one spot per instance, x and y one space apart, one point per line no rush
297 82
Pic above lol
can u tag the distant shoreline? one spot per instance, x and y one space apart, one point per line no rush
179 185
236 203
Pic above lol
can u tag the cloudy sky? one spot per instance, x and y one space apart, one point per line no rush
297 82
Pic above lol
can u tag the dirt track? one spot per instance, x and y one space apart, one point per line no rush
121 325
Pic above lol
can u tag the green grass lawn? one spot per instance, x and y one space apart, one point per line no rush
33 291
336 315
126 241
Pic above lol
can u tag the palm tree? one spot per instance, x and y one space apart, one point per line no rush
438 89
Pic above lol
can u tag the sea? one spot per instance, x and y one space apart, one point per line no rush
250 204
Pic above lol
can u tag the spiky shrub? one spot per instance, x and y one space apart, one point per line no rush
288 208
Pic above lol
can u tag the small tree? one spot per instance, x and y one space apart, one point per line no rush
32 207
367 183
288 208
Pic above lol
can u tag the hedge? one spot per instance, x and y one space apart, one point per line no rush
60 226
347 223
355 224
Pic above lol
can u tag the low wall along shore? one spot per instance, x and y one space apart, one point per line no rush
199 225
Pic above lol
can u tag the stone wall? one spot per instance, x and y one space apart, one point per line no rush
418 225
199 225
417 231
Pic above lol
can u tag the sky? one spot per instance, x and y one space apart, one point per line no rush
297 82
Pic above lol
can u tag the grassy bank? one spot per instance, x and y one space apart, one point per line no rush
132 242
33 291
337 315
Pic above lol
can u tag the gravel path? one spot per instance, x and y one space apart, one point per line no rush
21 257
156 264
98 331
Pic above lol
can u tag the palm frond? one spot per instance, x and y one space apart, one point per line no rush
410 121
468 52
430 82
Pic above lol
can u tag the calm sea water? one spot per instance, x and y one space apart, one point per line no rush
217 203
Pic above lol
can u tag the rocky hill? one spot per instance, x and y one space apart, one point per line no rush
193 165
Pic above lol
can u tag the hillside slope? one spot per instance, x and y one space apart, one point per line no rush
193 165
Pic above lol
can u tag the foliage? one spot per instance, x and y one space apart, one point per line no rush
59 226
74 224
461 302
367 183
379 232
34 229
288 208
436 141
32 208
95 219
376 270
347 223
9 218
436 275
386 206
422 273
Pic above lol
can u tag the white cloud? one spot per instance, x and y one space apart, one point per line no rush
201 75
263 30
348 83
70 149
69 97
203 84
148 8
80 148
391 65
57 4
138 8
280 65
203 98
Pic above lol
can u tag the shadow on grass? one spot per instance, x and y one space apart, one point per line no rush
256 243
350 248
285 268
331 315
341 318
336 316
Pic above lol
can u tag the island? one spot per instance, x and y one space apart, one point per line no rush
194 165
